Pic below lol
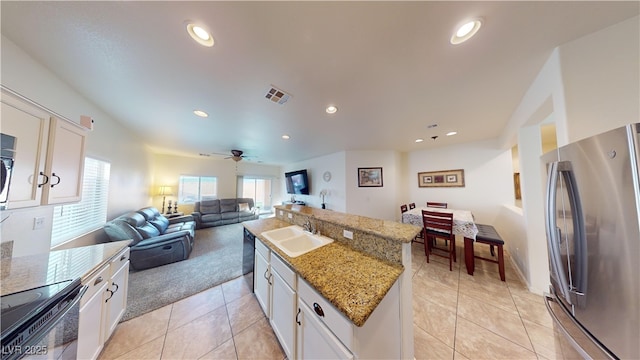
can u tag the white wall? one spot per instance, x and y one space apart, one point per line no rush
168 168
601 76
110 141
316 167
375 202
488 173
586 86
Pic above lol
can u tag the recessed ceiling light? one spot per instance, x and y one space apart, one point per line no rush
286 137
200 34
466 31
451 133
201 113
419 140
331 109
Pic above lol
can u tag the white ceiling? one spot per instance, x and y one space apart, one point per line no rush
388 66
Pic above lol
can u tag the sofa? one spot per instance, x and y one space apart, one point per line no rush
218 212
156 240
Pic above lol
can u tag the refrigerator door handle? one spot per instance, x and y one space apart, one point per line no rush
578 284
553 232
571 336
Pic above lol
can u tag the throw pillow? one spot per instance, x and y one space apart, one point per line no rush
243 207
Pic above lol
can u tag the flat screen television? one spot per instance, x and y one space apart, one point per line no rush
297 182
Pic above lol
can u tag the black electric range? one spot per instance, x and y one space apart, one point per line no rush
27 316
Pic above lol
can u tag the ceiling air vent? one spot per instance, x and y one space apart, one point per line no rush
276 95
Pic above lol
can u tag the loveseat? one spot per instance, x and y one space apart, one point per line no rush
218 212
156 240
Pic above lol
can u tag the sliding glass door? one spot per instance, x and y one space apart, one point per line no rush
260 190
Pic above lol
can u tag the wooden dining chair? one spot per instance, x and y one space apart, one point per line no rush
412 206
437 205
403 208
439 225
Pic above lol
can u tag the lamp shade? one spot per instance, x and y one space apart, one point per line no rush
165 190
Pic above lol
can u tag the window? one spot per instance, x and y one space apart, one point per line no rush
197 188
259 189
72 220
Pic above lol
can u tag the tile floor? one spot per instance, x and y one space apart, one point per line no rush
456 316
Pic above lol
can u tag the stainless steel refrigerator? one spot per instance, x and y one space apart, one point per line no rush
592 217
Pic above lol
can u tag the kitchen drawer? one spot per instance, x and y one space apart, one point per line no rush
95 283
263 250
341 327
119 261
284 271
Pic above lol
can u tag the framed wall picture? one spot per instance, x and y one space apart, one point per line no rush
370 177
444 178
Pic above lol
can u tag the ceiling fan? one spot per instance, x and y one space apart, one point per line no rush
236 155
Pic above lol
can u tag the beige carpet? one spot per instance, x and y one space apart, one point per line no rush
216 258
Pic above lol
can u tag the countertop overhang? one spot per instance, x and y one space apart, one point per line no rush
28 272
354 282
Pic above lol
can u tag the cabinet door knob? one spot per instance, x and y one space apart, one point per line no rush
318 309
123 258
46 179
54 175
98 280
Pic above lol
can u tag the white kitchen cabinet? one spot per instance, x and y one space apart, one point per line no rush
116 301
65 162
315 340
30 126
323 328
103 305
262 278
92 316
49 160
283 305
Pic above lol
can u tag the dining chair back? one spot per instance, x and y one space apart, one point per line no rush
437 205
439 225
412 206
403 208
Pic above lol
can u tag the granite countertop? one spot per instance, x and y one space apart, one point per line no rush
354 282
27 272
387 229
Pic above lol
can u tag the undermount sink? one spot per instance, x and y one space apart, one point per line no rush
295 241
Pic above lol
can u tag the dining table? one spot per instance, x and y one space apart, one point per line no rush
463 223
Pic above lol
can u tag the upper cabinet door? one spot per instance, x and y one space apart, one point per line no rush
30 126
65 162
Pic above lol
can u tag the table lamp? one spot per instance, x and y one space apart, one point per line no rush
164 191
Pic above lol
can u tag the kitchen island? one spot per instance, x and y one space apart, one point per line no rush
364 277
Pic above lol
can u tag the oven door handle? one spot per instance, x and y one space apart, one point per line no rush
40 334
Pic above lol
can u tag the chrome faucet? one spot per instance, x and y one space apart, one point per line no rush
308 226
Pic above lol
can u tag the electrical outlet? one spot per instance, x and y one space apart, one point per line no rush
290 215
38 223
348 234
